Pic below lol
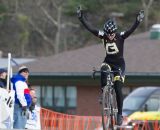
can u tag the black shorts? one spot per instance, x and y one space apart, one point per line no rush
116 64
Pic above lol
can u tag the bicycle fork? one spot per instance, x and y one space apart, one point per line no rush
114 110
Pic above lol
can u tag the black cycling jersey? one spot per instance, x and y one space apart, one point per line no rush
114 48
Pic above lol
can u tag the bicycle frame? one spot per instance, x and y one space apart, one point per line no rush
109 102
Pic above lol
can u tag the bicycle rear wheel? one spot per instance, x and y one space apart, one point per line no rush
106 109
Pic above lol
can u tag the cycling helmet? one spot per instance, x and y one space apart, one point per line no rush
110 27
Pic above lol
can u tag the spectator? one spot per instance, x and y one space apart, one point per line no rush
22 98
3 78
34 99
33 120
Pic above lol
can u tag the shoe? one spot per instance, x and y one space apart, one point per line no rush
119 119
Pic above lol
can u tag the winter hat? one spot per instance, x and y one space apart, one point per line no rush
23 69
2 71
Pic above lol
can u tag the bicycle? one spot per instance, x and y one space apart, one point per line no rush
109 102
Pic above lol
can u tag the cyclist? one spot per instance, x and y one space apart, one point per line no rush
113 43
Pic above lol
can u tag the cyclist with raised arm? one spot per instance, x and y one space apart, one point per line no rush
113 43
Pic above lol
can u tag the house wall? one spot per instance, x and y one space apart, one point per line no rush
87 100
88 90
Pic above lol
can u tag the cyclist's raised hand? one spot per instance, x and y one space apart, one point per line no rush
140 16
79 12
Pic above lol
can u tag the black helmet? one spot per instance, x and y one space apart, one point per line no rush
110 27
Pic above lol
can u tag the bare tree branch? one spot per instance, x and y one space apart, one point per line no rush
70 24
54 4
150 3
143 3
49 16
146 7
42 34
58 34
7 14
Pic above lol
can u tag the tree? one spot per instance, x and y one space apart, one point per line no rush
49 14
146 6
56 20
24 34
46 27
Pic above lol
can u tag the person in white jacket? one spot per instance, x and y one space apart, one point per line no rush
22 97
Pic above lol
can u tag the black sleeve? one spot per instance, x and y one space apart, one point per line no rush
131 30
88 26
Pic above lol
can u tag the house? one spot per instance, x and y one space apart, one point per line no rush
64 83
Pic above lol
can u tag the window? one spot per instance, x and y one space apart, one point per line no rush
153 103
133 103
71 95
59 98
47 96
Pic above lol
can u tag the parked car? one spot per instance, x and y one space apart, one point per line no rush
146 98
141 106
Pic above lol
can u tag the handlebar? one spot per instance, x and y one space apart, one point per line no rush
107 72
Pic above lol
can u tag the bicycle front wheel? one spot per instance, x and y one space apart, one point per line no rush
114 109
106 108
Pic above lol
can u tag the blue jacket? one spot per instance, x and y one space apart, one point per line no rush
26 91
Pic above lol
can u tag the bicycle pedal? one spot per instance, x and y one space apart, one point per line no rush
115 110
126 127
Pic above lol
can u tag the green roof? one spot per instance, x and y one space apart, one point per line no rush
87 80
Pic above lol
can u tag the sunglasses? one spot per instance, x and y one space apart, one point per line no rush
26 71
111 34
